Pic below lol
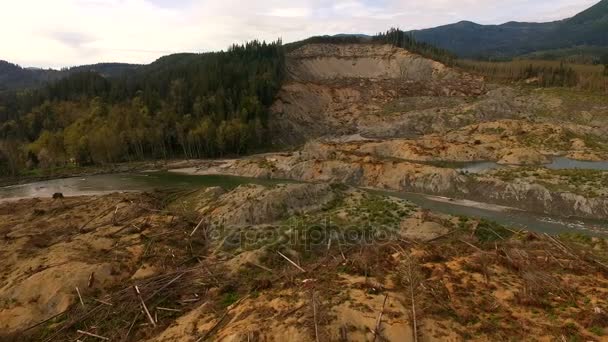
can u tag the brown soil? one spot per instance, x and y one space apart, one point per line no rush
470 280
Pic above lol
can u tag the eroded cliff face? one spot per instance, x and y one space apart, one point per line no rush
379 91
328 62
344 89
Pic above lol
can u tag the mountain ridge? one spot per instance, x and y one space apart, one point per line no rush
13 76
472 40
582 34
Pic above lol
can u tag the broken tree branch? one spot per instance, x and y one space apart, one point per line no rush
91 279
79 296
262 267
208 333
314 313
102 214
143 304
197 226
291 262
167 309
92 335
131 326
165 286
414 323
472 245
293 310
379 320
102 302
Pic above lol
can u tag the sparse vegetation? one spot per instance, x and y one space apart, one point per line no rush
487 231
589 183
469 282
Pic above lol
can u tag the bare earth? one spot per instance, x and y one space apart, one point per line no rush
228 282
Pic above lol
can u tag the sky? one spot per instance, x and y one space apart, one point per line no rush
63 33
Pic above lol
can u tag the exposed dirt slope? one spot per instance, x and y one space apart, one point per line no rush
327 62
384 92
372 113
345 89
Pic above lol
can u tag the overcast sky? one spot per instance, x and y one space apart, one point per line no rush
59 33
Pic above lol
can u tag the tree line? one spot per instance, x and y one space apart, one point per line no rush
542 73
186 105
394 36
406 40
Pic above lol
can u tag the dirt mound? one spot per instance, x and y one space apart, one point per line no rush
256 204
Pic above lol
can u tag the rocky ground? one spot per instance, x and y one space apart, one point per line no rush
294 262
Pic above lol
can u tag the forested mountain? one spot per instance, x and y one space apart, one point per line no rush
13 76
586 31
190 105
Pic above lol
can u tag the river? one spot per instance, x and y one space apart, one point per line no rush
558 163
102 184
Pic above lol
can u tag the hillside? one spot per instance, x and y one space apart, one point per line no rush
191 105
470 40
13 76
379 116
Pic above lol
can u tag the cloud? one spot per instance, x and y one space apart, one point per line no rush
62 33
290 12
72 39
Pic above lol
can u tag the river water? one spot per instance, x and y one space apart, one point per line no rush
109 183
558 163
102 184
